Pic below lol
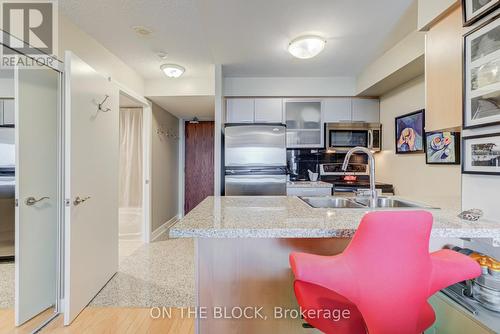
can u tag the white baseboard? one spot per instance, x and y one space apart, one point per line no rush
164 228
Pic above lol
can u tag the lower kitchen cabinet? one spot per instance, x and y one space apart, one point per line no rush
450 319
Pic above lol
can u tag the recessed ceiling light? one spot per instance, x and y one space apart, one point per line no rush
306 47
142 30
172 70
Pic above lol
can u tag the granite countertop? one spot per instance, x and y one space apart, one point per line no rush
308 184
290 217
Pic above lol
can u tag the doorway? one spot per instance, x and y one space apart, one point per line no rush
199 163
132 216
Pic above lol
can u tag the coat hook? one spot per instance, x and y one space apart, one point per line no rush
100 105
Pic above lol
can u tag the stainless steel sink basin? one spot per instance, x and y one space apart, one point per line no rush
331 202
386 202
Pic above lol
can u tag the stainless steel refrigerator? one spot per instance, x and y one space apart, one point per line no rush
255 160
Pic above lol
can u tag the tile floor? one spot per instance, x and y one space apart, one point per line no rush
156 274
7 285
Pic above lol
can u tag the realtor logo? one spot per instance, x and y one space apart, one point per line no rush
29 27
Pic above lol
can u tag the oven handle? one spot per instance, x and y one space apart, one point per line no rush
370 139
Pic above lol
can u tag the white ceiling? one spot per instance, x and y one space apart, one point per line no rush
187 107
249 37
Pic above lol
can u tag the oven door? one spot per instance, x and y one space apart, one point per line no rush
345 139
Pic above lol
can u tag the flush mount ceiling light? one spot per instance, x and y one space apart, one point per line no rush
306 47
172 70
142 30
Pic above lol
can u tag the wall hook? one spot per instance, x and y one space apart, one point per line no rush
100 105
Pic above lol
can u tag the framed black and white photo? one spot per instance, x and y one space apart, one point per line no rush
474 10
481 154
482 76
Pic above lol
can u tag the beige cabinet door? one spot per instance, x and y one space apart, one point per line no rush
452 320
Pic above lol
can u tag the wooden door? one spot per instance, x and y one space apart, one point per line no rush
199 164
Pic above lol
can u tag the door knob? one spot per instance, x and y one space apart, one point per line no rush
78 200
32 200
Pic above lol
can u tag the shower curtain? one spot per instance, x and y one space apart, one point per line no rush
130 173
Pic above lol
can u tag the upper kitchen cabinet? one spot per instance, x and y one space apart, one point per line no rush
366 110
250 110
443 73
304 123
240 110
337 110
269 110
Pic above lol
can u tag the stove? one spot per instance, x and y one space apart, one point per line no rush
336 169
355 178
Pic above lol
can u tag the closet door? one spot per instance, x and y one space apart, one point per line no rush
91 166
37 105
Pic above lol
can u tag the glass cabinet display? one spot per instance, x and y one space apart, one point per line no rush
304 123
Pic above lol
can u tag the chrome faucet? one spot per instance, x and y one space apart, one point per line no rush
371 163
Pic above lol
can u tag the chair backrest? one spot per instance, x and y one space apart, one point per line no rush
391 267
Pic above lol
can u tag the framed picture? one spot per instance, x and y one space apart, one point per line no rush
442 148
474 10
410 133
481 154
482 76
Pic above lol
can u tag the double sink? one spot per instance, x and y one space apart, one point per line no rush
332 202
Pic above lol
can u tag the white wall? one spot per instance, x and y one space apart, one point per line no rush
482 191
164 168
96 55
410 175
293 86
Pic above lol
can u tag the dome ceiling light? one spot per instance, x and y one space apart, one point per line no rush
172 70
306 47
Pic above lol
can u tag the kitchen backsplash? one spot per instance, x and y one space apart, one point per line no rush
301 160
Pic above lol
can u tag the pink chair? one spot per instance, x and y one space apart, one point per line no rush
384 277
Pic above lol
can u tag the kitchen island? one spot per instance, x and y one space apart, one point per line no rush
290 217
242 249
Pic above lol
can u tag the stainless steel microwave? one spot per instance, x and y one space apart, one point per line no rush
341 137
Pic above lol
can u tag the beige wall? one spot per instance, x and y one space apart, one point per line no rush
165 165
429 11
410 175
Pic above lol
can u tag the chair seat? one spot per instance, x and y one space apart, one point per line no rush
314 297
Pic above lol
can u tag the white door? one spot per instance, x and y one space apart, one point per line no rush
37 105
91 163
